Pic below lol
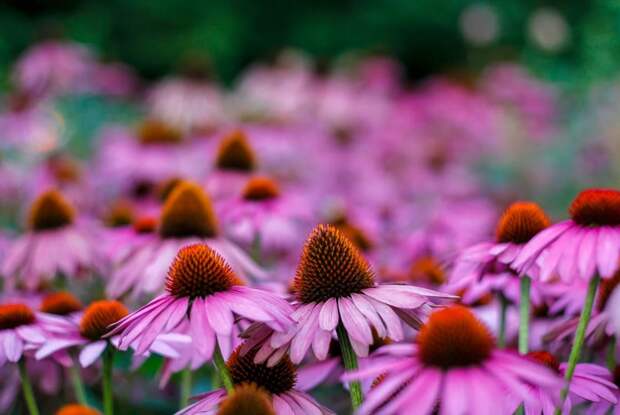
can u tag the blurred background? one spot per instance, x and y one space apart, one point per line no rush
569 41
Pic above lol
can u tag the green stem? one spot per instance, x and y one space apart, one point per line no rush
222 370
186 387
108 399
76 380
255 250
503 308
349 358
31 403
524 314
580 336
611 354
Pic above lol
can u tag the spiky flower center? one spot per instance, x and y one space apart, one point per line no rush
199 271
75 409
15 315
521 222
98 316
158 132
60 303
546 359
188 212
120 214
50 211
596 207
354 234
145 224
605 289
454 337
261 188
247 398
330 267
235 153
427 269
277 379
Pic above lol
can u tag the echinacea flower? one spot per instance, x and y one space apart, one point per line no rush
485 267
57 243
19 332
186 218
266 216
334 285
86 333
591 383
203 296
453 366
77 409
247 398
278 380
585 245
235 160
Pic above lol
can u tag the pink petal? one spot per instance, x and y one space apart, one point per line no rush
328 318
91 352
355 323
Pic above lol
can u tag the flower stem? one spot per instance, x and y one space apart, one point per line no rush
186 387
611 354
524 315
580 335
222 370
349 358
503 308
31 403
108 400
76 380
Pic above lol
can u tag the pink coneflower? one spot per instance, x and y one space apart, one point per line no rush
278 381
591 383
235 160
19 332
202 291
334 286
86 332
454 365
585 245
56 243
265 218
187 217
485 267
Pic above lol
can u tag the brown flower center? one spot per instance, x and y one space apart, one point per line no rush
427 269
120 214
454 337
277 379
145 224
521 222
50 211
546 359
596 207
354 234
75 409
158 132
165 188
247 398
98 316
60 303
330 267
199 271
235 153
188 212
15 315
261 188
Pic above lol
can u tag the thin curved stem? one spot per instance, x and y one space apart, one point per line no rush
580 335
76 381
31 402
222 369
108 398
524 315
611 354
349 358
